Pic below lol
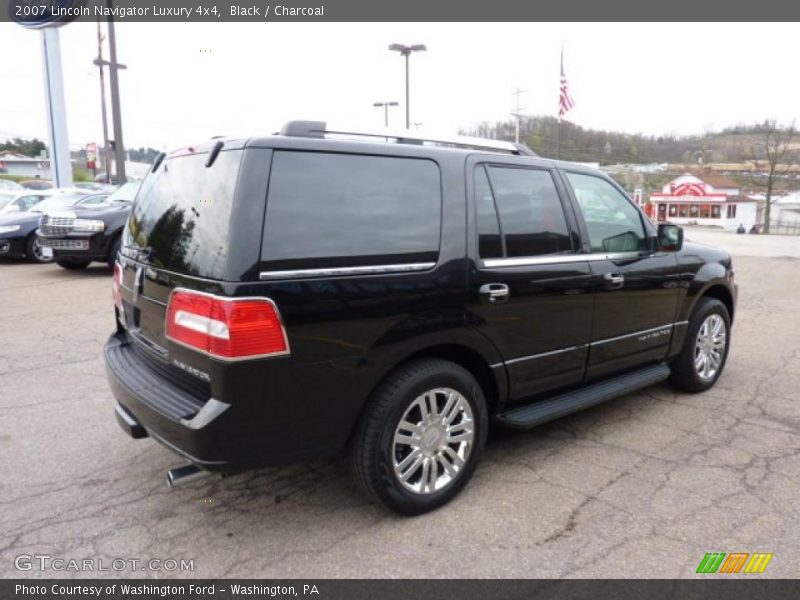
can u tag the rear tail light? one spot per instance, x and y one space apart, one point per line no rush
117 285
226 328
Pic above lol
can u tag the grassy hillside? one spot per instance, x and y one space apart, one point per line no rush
732 145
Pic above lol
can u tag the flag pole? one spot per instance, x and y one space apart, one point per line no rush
558 126
558 139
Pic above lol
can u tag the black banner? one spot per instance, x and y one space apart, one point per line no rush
403 589
36 13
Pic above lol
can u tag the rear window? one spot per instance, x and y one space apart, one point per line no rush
339 210
181 216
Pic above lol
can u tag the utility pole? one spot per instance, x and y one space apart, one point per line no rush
518 112
100 63
113 69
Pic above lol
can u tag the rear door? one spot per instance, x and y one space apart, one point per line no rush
635 286
529 289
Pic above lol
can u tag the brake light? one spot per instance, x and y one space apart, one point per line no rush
117 285
226 328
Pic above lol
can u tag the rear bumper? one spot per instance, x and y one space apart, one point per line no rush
207 432
152 406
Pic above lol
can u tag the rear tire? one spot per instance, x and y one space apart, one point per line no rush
33 251
420 436
705 349
72 265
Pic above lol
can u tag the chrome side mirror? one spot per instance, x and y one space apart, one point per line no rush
670 237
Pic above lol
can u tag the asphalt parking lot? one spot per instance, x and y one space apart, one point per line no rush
643 486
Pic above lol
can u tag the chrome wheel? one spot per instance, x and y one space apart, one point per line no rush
709 348
38 253
433 441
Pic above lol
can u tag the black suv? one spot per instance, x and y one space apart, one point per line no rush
284 298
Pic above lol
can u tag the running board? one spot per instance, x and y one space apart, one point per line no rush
555 407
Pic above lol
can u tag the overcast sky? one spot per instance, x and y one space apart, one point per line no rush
191 81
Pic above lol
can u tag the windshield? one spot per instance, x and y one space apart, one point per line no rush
5 198
126 193
58 202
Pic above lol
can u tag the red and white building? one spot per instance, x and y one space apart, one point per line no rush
701 199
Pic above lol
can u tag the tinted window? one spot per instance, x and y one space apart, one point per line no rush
489 241
531 216
614 223
329 210
182 212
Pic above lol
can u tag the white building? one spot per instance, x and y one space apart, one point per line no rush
24 166
705 199
785 213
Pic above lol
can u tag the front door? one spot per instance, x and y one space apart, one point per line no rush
636 287
530 290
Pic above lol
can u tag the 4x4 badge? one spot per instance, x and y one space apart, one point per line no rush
137 284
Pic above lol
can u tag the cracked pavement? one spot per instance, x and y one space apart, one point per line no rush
642 486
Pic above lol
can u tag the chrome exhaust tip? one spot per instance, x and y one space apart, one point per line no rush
185 474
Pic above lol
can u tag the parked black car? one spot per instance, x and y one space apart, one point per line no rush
88 233
18 229
288 297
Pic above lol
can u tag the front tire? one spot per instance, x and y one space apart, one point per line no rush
420 436
33 251
705 349
72 265
116 244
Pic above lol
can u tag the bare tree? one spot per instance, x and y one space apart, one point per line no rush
779 159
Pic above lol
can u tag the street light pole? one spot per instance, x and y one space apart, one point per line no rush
406 52
408 108
518 112
385 106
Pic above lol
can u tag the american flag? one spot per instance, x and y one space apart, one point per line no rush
565 101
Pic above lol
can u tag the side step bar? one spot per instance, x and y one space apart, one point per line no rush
555 407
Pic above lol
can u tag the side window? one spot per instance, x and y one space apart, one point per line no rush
347 210
614 223
490 244
531 217
29 202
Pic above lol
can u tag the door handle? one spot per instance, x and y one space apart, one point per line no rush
614 279
496 292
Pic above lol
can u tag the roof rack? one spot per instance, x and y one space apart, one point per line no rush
320 129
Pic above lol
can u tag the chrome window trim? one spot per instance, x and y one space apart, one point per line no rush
341 271
495 263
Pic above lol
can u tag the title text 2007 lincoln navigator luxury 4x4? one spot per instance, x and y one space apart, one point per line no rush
283 298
